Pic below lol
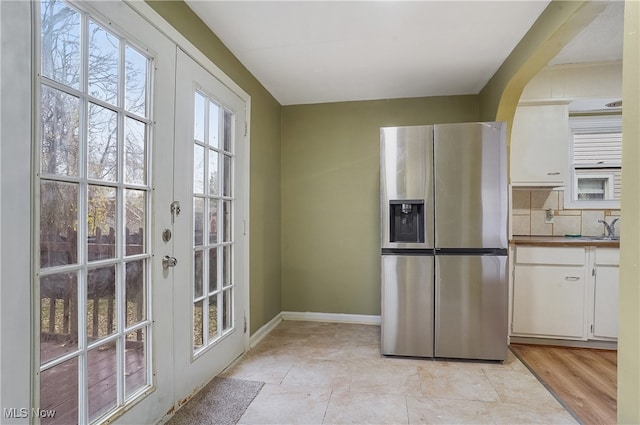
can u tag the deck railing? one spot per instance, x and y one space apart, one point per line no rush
58 293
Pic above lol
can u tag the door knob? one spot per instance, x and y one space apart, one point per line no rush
169 262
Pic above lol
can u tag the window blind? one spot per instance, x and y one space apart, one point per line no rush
597 150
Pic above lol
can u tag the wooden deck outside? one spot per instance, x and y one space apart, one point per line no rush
59 326
59 385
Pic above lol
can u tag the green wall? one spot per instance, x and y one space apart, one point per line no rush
331 197
629 295
265 161
315 179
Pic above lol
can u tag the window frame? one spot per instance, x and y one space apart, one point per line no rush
589 124
608 186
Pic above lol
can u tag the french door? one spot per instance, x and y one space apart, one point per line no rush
102 128
210 152
139 299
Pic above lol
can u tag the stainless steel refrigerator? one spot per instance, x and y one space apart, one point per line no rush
444 240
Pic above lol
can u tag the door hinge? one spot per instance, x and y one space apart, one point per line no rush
246 129
245 324
593 271
592 328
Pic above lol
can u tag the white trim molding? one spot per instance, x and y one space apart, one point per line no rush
265 330
17 360
309 316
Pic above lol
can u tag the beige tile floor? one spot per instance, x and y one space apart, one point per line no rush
328 373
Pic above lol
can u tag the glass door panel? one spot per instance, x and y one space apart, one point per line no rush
215 163
93 237
209 118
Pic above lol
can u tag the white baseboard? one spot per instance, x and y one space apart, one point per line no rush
264 330
308 316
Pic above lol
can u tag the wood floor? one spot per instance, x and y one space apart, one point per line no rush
59 385
584 379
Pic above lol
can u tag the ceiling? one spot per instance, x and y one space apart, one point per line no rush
331 51
601 41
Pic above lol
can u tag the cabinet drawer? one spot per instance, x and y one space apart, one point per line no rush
607 256
560 256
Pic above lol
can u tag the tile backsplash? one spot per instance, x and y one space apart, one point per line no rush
530 210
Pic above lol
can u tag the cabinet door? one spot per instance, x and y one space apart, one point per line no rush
605 307
548 301
540 145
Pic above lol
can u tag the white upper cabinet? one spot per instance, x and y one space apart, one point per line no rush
540 145
540 133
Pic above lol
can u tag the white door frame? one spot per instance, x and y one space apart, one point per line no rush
16 204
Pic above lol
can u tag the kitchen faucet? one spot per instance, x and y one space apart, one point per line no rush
611 230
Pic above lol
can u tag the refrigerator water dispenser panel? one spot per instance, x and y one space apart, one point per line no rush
407 221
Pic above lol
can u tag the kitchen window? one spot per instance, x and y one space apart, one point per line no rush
595 162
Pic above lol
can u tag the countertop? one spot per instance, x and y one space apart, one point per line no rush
562 241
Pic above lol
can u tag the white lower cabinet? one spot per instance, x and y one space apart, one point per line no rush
565 293
605 300
549 292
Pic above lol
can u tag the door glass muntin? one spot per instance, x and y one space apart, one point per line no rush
213 197
94 214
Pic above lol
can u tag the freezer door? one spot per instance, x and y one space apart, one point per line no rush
407 305
470 185
406 173
471 307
